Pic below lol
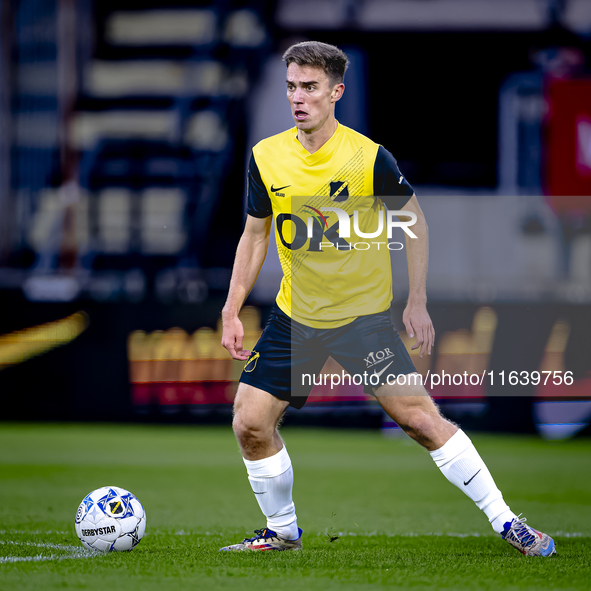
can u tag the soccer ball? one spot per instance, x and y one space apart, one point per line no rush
110 518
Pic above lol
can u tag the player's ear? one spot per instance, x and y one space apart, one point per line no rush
337 92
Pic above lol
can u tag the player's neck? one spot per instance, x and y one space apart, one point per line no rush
314 140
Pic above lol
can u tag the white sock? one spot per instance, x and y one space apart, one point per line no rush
272 481
460 463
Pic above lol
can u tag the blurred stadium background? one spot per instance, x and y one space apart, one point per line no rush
124 138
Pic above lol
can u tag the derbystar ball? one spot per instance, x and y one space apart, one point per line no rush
110 519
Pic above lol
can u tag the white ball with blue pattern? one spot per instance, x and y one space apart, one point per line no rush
110 519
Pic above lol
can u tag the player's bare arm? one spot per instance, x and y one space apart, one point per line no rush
250 256
415 317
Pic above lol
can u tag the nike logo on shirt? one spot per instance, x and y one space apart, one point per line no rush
274 190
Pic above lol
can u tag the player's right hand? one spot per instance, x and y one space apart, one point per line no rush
232 337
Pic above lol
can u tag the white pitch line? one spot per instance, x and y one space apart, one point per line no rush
413 534
9 559
559 534
38 558
37 532
72 552
43 545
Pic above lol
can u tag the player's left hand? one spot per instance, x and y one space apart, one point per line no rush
418 323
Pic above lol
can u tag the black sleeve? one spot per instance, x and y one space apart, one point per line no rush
388 182
258 203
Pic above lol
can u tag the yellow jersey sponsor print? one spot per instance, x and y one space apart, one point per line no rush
330 223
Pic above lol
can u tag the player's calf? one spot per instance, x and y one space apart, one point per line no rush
415 412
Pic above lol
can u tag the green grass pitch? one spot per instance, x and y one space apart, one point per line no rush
399 523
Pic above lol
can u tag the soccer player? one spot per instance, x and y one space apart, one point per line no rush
327 186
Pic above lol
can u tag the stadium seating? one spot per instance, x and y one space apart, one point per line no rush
155 127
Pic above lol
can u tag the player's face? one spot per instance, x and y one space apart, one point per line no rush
311 97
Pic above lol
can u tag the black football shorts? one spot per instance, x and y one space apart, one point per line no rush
288 355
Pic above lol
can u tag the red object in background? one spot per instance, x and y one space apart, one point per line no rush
578 389
568 144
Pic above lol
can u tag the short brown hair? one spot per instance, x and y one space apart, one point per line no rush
331 59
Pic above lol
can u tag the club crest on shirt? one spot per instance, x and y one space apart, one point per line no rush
339 191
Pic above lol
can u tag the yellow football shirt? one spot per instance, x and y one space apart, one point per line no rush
330 223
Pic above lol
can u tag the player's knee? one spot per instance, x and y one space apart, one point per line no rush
251 432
